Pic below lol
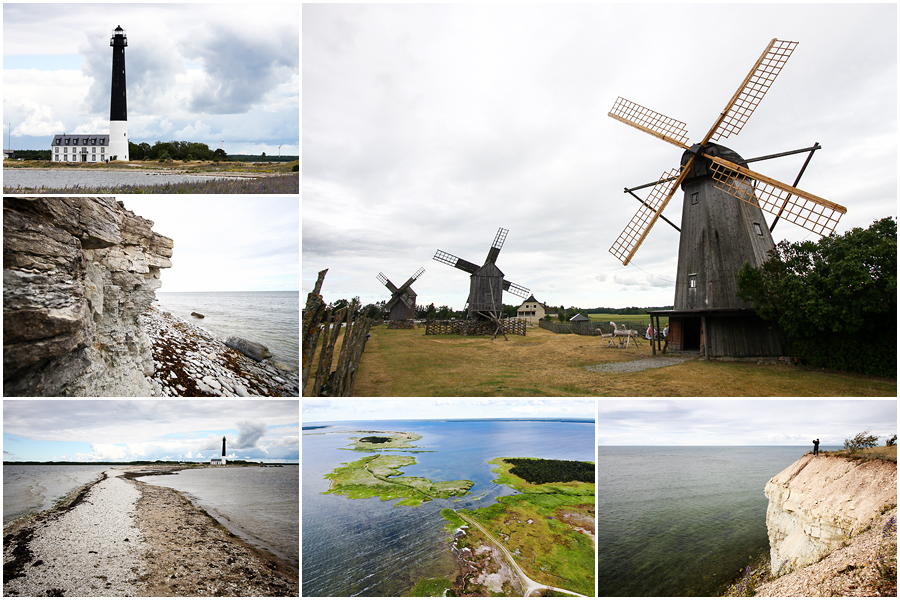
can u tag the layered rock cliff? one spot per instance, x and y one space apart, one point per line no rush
77 273
817 503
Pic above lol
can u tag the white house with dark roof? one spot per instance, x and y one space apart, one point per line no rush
81 147
531 310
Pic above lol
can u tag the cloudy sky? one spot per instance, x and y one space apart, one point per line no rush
338 409
742 422
194 72
429 127
120 430
225 243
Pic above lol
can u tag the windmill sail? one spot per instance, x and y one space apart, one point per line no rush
787 202
634 233
650 121
455 261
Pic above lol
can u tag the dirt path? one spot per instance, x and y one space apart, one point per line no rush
530 584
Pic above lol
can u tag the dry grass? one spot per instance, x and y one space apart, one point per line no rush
404 362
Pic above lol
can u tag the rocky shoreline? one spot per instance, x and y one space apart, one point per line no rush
189 361
121 537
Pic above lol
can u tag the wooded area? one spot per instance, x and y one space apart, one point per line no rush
539 471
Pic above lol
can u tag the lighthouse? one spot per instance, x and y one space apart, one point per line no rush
223 449
118 109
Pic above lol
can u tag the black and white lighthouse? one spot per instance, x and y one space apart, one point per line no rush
118 108
223 449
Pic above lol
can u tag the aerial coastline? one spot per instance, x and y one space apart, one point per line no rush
145 540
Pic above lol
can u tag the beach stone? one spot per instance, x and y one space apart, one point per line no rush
212 382
240 390
198 315
254 350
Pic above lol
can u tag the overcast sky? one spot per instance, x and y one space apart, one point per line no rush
337 409
194 72
742 422
430 126
126 430
226 243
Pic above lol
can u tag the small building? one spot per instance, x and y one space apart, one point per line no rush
579 318
531 310
91 147
7 154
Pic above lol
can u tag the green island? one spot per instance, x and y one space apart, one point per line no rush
385 440
380 476
547 531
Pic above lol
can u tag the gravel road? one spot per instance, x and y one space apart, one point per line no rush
637 365
92 549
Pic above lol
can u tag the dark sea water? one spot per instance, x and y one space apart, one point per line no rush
271 318
682 521
372 548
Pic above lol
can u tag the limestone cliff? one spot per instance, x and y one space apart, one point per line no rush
817 502
77 272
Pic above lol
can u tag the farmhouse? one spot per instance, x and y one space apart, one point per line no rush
531 310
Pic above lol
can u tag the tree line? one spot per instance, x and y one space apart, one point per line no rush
539 471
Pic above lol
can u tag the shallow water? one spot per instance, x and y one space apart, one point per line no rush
271 318
55 178
35 488
682 521
372 548
263 502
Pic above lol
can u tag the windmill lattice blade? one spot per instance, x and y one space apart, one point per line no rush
752 90
515 288
382 279
634 233
802 208
649 121
386 282
500 238
455 261
418 273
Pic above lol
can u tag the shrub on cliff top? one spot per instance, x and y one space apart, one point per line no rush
862 440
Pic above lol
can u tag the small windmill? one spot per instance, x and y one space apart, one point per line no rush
487 283
402 305
718 234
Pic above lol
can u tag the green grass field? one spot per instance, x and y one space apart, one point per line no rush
548 528
405 362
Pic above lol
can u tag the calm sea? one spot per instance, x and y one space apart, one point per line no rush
373 548
271 318
682 521
55 178
35 488
262 503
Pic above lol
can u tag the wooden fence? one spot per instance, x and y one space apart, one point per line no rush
319 322
589 327
474 327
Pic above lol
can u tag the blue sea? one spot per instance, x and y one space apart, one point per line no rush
682 521
271 318
372 548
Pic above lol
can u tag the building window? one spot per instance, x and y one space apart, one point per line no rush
757 229
692 281
695 197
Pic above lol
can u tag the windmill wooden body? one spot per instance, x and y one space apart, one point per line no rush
402 305
719 233
487 282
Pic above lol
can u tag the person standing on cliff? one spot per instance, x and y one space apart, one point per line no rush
816 447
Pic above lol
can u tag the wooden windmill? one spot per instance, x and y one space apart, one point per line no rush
719 233
402 305
487 284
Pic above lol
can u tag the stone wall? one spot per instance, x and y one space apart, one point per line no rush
817 502
77 272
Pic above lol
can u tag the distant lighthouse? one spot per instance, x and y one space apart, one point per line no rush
118 108
223 449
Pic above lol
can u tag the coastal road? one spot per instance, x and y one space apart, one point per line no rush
530 584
